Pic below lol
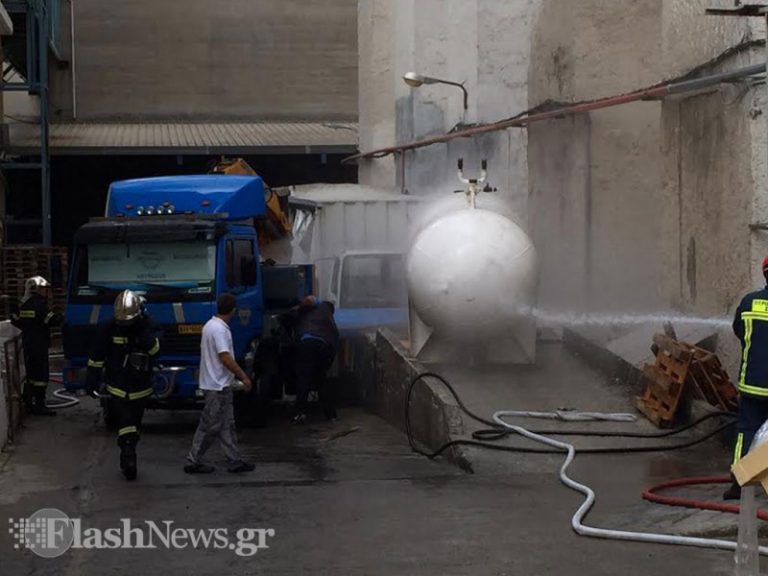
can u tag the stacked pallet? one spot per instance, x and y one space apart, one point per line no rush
18 263
681 368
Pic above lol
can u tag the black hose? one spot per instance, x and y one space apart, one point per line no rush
481 438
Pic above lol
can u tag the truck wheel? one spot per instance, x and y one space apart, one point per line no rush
108 413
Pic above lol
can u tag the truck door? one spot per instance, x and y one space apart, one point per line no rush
327 271
241 278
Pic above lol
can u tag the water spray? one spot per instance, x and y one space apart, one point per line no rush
588 319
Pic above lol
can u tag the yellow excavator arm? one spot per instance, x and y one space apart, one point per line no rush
277 225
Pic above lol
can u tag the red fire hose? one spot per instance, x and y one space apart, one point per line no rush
651 495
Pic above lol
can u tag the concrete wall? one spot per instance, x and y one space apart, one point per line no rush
482 43
715 168
595 180
709 187
271 59
690 37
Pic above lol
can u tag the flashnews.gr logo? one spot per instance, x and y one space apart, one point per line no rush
49 533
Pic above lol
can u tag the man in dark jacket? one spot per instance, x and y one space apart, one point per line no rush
35 320
122 357
750 325
317 342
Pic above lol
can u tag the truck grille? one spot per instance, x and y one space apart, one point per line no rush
172 343
79 339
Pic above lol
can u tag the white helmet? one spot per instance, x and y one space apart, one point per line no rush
128 306
33 285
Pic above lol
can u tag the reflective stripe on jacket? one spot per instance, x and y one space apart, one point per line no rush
750 325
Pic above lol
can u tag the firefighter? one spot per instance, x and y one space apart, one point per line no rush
122 360
751 328
34 319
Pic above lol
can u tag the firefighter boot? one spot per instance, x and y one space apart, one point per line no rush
29 404
128 461
40 408
734 490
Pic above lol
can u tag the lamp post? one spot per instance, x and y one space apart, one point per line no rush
415 80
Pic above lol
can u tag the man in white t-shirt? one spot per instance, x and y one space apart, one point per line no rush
218 370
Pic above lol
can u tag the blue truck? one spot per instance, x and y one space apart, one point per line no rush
179 241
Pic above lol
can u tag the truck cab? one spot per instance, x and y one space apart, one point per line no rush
180 242
369 290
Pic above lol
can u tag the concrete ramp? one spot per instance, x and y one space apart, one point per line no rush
635 347
622 353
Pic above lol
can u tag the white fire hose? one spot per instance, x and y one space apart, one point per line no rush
576 520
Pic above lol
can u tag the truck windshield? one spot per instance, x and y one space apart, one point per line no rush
373 281
158 269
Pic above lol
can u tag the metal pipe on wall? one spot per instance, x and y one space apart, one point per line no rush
72 57
42 20
526 118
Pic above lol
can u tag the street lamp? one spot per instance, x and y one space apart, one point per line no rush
415 80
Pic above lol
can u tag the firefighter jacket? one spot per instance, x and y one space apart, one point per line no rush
35 320
123 356
751 327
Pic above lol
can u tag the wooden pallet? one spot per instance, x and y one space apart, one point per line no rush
710 380
18 263
682 368
665 382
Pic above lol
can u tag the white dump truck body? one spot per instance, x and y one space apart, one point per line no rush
333 219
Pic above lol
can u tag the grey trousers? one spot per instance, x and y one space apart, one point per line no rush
216 421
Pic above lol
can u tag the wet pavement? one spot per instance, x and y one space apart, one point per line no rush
344 498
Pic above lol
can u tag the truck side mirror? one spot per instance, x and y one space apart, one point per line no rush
248 270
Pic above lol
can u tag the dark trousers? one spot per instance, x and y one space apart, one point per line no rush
128 416
36 367
753 412
313 359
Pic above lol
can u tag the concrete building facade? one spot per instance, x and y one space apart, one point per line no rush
266 60
640 208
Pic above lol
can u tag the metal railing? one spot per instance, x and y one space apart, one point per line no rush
12 375
54 23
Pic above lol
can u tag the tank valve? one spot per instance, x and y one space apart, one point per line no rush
474 185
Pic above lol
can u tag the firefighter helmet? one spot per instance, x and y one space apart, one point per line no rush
33 285
127 306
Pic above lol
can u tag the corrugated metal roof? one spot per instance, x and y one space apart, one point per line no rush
189 138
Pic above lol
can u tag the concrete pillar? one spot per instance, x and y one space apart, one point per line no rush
376 104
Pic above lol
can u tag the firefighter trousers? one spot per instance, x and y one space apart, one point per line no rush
128 417
36 367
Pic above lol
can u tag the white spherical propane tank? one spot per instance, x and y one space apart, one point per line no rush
471 274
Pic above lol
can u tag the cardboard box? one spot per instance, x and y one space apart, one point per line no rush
753 468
